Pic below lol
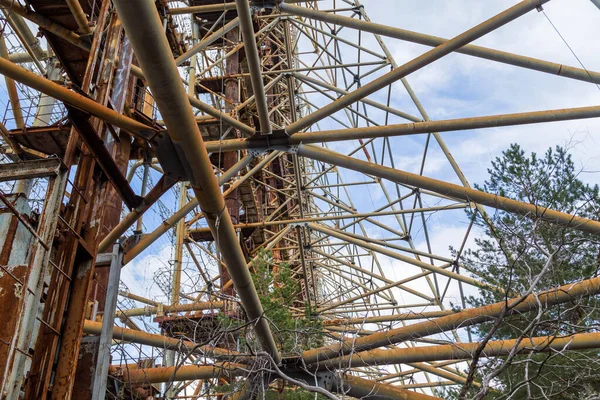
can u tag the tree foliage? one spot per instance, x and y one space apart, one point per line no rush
278 291
515 250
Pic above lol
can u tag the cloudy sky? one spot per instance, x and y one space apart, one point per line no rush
463 86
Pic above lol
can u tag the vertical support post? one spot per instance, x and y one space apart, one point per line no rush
106 336
35 283
179 236
143 191
11 87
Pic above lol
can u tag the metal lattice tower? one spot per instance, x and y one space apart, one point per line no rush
152 150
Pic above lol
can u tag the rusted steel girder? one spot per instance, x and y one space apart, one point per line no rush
160 341
41 168
14 7
103 157
371 390
199 306
465 351
144 29
75 100
468 317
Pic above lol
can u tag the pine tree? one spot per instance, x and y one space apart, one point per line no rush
515 251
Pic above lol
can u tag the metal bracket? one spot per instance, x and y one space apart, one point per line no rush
298 224
256 152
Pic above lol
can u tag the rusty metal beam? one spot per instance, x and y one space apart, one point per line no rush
465 351
105 160
41 168
450 125
467 317
144 29
13 6
67 96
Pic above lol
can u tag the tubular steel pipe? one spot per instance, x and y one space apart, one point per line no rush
80 17
202 9
143 26
34 52
182 373
451 190
11 88
167 224
136 297
360 388
206 108
161 187
467 317
14 7
370 102
387 318
175 308
204 43
338 217
157 191
465 351
492 121
459 124
160 341
258 88
416 64
65 95
400 257
429 40
150 339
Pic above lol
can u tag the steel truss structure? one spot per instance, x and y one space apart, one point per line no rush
271 126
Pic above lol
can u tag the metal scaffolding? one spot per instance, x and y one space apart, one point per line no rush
171 143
